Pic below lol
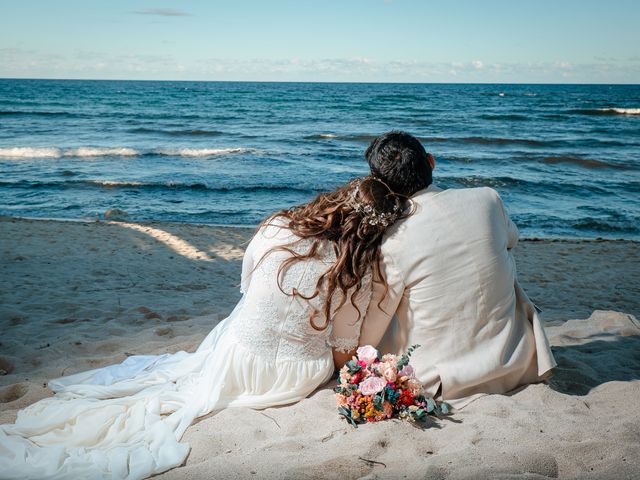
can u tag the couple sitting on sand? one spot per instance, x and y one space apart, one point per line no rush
387 260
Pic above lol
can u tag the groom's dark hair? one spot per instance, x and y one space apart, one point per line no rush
399 160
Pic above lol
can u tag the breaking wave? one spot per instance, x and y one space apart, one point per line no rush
54 152
607 111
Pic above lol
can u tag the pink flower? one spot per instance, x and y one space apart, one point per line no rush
367 354
372 385
390 357
407 371
388 371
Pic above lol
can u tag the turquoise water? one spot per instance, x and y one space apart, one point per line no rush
565 158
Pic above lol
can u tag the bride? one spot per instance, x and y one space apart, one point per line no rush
306 284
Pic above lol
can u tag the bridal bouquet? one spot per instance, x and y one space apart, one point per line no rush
374 388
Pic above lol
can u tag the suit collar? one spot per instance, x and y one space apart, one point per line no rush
430 190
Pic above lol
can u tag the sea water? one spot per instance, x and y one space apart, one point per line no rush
565 158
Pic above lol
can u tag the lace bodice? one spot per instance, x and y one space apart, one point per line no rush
275 324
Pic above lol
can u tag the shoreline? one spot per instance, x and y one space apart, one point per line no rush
252 228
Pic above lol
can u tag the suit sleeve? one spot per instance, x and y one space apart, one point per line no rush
512 230
383 304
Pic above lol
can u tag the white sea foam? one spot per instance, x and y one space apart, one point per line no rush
52 152
30 152
622 111
101 152
199 152
115 183
82 152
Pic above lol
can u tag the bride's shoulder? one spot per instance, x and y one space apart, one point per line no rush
275 229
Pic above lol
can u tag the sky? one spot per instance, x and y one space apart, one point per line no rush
504 41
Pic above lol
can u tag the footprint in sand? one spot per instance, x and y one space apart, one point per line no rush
6 366
164 331
539 463
13 392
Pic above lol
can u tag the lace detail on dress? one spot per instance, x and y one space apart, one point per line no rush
299 338
274 323
246 332
343 344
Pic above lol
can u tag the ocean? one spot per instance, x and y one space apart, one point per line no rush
565 158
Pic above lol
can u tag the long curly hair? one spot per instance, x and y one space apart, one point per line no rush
353 219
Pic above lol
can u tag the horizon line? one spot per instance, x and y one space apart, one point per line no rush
312 81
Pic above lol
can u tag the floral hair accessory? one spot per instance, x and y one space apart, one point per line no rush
371 214
372 387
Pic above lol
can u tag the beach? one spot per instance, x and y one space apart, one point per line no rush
80 295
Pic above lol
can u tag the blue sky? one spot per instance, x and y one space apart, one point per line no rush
559 41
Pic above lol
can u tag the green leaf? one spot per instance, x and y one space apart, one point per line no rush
404 360
431 405
346 413
411 349
353 366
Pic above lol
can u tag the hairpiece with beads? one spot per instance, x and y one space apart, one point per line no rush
369 212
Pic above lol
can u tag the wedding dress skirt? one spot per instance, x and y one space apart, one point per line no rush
125 421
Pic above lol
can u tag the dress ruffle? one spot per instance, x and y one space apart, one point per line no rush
126 420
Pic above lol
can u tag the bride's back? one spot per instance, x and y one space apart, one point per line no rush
272 321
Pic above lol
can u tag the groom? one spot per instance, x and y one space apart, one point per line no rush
451 284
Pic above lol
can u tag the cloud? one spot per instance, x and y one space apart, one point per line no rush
162 12
563 65
20 63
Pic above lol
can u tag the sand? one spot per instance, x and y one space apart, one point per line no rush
78 295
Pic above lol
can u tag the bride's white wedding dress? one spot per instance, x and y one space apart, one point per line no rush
126 420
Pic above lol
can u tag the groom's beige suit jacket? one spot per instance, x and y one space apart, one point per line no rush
453 289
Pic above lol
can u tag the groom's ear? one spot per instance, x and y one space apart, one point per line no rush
432 161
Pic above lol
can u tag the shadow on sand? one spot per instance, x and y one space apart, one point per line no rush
584 367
